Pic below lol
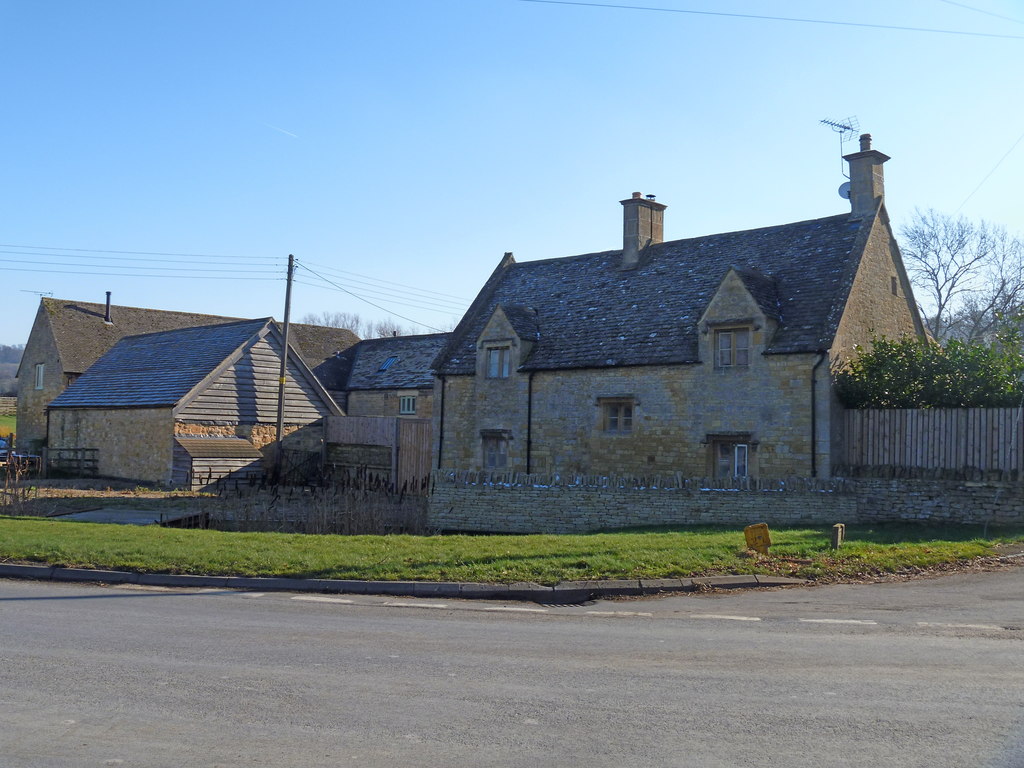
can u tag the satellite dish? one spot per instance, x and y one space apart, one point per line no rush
844 190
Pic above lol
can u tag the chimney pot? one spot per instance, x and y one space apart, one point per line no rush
637 195
865 142
106 314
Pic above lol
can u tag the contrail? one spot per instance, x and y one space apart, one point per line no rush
282 130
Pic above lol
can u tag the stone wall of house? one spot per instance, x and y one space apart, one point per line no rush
133 444
484 505
676 409
873 308
40 349
386 402
554 420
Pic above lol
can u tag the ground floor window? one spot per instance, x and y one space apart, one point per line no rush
407 405
495 449
730 456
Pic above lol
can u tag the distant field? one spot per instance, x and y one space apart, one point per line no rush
8 425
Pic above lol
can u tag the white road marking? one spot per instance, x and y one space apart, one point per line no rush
618 613
515 609
722 616
957 626
838 621
322 599
403 604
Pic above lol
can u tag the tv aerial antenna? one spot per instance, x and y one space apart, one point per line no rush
847 130
40 294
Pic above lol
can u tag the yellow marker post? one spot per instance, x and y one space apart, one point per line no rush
758 537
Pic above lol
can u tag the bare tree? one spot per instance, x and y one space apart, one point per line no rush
388 327
349 320
969 275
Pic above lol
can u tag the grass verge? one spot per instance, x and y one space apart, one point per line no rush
546 559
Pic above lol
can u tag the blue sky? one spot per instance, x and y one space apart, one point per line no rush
174 153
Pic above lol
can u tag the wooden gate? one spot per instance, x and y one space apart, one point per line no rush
407 445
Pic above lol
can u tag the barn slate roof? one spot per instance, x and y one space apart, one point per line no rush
82 336
588 312
157 369
411 369
219 448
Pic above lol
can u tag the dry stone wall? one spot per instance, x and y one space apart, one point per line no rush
479 502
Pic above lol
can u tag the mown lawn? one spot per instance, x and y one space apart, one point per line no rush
545 559
8 425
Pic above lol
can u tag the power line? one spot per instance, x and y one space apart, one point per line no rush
386 292
994 169
137 266
979 10
132 259
360 298
129 274
342 273
775 18
136 253
391 299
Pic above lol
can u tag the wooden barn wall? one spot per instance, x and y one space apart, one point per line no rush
247 392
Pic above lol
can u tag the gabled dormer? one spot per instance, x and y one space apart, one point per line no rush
740 320
506 341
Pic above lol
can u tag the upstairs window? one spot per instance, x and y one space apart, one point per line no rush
40 370
407 405
617 415
498 362
732 347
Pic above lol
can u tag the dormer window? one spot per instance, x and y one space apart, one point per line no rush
387 364
498 362
732 347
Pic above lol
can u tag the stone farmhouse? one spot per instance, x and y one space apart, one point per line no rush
390 376
67 337
188 406
707 356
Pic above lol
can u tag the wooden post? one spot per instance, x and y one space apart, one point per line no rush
838 535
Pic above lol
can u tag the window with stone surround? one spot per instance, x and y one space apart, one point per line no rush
498 362
407 405
495 449
617 414
40 371
732 347
731 455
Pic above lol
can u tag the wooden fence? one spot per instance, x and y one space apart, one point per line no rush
984 439
409 440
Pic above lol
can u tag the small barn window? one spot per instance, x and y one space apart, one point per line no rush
40 370
617 415
407 405
894 286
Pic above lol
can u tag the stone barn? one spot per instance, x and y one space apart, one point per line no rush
189 406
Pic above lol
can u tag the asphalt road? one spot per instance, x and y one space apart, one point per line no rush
925 673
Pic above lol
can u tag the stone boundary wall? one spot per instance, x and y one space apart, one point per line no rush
498 503
8 406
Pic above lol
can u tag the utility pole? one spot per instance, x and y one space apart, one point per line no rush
279 463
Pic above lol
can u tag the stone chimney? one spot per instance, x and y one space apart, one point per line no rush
867 183
643 223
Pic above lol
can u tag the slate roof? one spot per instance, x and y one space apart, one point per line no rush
82 336
219 448
157 369
590 313
411 369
